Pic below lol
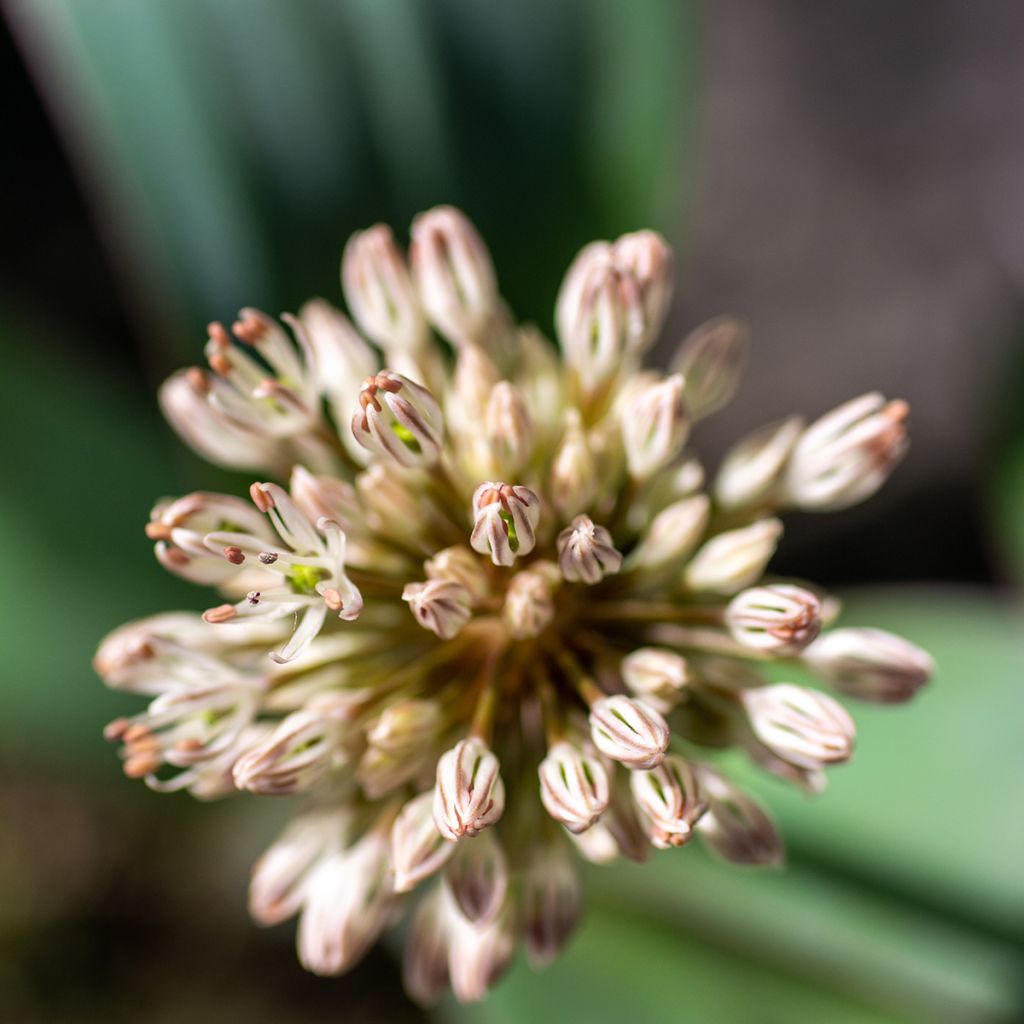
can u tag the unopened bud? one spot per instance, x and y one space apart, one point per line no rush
425 958
478 955
454 274
735 559
673 534
779 619
442 606
469 794
574 481
586 552
670 796
398 419
869 664
803 727
751 471
379 290
711 360
418 850
530 600
550 900
648 258
736 827
405 725
460 565
657 676
574 786
477 878
504 519
844 457
508 428
629 731
654 426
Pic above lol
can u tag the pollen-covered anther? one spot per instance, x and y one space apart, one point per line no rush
234 554
780 618
586 553
222 613
442 606
505 516
398 419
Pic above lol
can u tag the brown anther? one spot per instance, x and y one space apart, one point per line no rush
135 732
383 381
261 498
222 613
156 530
332 598
220 364
137 767
253 597
198 380
177 556
250 329
499 493
235 555
268 557
116 729
218 334
188 745
147 744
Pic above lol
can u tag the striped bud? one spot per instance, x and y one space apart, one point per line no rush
504 517
469 794
670 797
711 359
398 419
477 878
735 559
628 731
736 827
654 426
751 470
442 606
418 850
586 553
780 619
657 676
574 786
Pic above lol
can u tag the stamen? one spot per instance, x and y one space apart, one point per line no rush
222 613
234 554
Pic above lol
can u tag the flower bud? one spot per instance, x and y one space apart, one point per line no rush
736 827
845 457
418 849
869 664
669 795
779 619
469 794
530 600
574 482
735 559
454 274
459 565
550 900
379 291
405 725
324 497
673 534
398 419
751 471
574 786
508 428
586 553
628 731
654 426
478 955
347 905
711 360
657 676
425 960
442 606
647 257
504 519
803 727
477 878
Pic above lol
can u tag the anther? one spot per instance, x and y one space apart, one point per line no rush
234 555
261 498
222 613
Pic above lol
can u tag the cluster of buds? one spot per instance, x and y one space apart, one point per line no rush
490 620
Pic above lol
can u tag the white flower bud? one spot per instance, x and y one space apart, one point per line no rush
574 786
654 426
460 565
648 258
324 497
751 470
530 600
550 900
736 827
869 664
442 606
673 533
735 559
508 428
657 676
379 291
780 619
453 273
348 902
469 794
405 725
711 359
574 482
276 890
504 519
425 960
478 955
670 796
628 731
398 419
586 553
844 457
803 727
477 878
418 850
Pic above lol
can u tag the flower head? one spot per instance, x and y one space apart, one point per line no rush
481 612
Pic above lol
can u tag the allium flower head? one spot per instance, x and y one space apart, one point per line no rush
480 611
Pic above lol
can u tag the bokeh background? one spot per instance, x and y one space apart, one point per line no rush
850 177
